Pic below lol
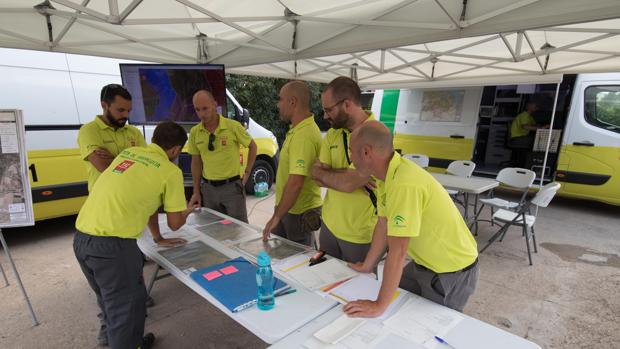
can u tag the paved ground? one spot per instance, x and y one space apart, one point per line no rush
568 299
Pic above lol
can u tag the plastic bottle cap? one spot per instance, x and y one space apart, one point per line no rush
263 259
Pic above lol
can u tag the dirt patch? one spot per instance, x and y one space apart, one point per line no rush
574 253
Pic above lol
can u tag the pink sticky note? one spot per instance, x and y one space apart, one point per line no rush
226 222
212 275
229 270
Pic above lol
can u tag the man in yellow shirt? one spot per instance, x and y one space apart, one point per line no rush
125 198
417 218
521 135
298 199
214 146
349 213
102 139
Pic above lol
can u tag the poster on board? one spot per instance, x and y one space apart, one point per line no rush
15 195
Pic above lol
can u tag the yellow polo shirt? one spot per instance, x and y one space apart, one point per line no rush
300 149
349 216
516 128
97 134
417 206
129 191
224 161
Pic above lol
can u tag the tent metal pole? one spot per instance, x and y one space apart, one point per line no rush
548 145
19 280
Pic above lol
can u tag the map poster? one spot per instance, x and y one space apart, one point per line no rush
442 106
15 195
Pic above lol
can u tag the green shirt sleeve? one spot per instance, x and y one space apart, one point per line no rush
403 210
242 135
173 195
302 154
192 149
88 141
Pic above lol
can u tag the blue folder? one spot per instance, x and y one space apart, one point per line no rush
238 290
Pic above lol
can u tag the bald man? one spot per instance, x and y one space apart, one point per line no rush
298 199
214 146
416 218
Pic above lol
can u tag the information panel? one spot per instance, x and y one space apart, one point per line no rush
15 195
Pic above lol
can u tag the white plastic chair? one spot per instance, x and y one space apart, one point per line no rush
420 159
460 168
520 179
542 199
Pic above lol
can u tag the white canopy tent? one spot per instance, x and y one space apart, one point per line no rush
391 43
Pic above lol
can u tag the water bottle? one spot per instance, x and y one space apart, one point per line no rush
261 189
264 281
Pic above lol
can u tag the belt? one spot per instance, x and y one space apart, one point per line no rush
450 272
217 183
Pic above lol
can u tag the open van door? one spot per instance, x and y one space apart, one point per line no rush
589 165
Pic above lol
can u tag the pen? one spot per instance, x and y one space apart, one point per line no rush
289 291
442 341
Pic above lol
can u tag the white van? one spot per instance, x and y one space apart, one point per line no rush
58 93
472 123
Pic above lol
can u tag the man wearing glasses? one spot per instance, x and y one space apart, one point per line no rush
102 139
349 209
214 146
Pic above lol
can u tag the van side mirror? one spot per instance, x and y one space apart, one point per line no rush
245 118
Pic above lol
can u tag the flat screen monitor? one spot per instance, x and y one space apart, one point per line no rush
164 91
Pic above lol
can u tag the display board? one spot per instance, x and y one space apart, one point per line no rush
15 194
164 91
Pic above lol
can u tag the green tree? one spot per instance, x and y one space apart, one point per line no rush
260 96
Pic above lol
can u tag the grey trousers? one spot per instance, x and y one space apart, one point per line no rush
228 199
113 268
299 227
449 289
341 249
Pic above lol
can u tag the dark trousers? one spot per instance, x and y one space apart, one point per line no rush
449 289
113 269
228 199
341 249
299 227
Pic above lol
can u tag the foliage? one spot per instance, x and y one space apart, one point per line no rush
260 96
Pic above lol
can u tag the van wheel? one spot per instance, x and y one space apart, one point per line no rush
261 172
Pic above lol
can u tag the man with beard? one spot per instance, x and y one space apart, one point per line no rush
298 198
349 209
102 139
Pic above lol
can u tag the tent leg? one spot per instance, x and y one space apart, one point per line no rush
19 280
6 281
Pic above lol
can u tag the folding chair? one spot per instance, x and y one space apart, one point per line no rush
520 179
542 199
420 159
460 168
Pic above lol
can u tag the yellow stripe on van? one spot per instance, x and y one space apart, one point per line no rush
435 147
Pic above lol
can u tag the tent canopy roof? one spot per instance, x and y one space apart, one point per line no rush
389 42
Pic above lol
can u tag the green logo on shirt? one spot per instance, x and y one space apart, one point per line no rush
399 221
301 164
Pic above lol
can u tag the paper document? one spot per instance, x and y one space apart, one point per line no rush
339 329
322 274
293 262
363 287
419 320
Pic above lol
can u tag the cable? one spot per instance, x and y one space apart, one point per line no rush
259 201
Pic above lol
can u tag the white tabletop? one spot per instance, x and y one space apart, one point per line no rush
471 185
291 312
469 333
